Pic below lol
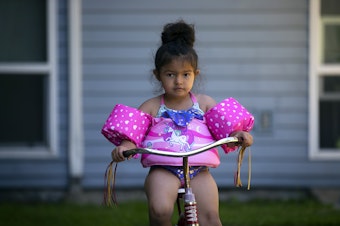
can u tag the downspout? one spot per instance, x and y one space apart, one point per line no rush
75 139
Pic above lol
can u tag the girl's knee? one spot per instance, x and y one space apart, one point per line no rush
210 218
160 213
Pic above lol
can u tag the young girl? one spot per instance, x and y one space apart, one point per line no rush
174 112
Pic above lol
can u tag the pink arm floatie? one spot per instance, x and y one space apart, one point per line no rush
126 123
226 117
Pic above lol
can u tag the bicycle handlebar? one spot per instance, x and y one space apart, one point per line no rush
134 151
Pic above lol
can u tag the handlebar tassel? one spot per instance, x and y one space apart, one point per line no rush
237 177
109 184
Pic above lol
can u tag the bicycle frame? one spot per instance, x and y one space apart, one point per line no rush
190 217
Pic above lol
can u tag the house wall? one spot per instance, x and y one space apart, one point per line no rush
253 50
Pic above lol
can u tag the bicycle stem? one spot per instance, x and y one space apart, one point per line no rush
186 172
190 209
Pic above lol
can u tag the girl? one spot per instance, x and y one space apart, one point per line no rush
174 112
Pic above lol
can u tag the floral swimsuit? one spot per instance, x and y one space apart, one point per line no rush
181 118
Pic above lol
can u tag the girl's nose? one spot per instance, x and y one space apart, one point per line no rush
178 79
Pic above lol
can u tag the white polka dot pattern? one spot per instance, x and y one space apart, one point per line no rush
126 123
226 117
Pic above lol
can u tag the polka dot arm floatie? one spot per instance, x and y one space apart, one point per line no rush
126 123
226 117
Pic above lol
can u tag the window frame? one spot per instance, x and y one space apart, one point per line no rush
318 69
49 69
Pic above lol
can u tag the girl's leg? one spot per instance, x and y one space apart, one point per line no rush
206 193
161 189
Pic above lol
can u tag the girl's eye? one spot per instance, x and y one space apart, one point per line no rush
170 75
186 75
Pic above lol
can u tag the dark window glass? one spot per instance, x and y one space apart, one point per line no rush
330 124
331 85
23 113
329 109
23 31
331 43
330 7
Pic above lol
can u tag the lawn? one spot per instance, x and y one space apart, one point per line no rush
252 213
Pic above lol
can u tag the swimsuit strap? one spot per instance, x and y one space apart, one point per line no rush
162 100
193 98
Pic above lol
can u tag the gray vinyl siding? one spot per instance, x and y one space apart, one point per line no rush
45 173
253 50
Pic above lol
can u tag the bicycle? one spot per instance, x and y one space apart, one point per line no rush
186 198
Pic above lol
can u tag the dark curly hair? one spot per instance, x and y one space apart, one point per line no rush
177 41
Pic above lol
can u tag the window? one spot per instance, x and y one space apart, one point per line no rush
324 78
28 78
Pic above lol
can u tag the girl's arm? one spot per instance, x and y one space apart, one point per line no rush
151 106
206 102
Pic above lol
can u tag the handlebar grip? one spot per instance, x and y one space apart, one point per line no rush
129 153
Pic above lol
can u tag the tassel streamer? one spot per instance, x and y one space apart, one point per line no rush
109 184
237 177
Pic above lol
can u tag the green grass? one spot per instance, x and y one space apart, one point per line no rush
259 213
285 213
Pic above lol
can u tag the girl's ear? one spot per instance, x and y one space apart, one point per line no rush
155 72
197 72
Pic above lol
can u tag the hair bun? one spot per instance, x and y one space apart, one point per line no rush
179 32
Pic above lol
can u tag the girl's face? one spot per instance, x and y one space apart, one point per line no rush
177 77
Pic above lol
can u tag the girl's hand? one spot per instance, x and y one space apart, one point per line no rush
117 153
245 138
